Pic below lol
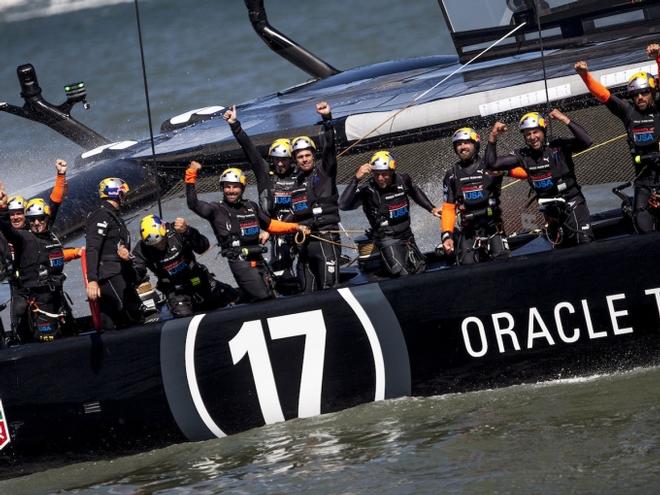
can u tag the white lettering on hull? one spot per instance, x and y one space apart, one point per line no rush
500 331
534 320
482 337
504 326
616 314
654 292
560 325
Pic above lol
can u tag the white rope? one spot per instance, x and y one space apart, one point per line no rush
414 100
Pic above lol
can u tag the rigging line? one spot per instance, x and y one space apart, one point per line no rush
596 146
545 77
414 100
146 95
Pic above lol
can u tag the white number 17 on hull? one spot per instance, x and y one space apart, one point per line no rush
251 340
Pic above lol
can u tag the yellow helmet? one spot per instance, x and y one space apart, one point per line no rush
281 148
382 161
233 175
641 82
112 188
37 207
532 120
152 230
302 143
16 203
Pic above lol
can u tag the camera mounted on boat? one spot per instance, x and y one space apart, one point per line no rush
77 92
57 117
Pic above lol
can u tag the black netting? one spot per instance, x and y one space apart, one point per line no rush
426 155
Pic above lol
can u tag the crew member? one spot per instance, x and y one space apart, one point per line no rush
110 274
168 250
474 195
39 258
551 175
314 201
275 181
236 223
385 199
20 330
641 120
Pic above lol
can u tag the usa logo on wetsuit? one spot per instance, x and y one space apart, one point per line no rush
398 209
542 181
472 193
249 228
282 198
643 135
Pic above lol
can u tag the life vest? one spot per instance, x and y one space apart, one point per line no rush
281 189
173 262
474 190
643 132
549 174
242 227
388 211
313 202
42 262
176 267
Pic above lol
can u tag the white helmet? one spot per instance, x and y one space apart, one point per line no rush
303 143
233 175
382 161
281 148
16 203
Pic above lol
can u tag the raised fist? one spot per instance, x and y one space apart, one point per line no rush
581 67
230 115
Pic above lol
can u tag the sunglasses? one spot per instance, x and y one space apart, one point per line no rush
38 218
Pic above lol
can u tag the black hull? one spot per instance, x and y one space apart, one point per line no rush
591 309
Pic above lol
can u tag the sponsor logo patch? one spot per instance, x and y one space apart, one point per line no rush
4 429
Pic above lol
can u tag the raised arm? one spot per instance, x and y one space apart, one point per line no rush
653 51
11 234
491 160
202 208
197 241
258 165
581 140
350 199
616 105
59 189
329 153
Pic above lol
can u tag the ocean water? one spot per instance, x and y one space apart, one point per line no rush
594 435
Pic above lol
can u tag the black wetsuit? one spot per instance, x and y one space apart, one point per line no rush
187 284
20 321
314 203
481 235
236 227
388 213
551 174
119 304
38 293
275 199
643 129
